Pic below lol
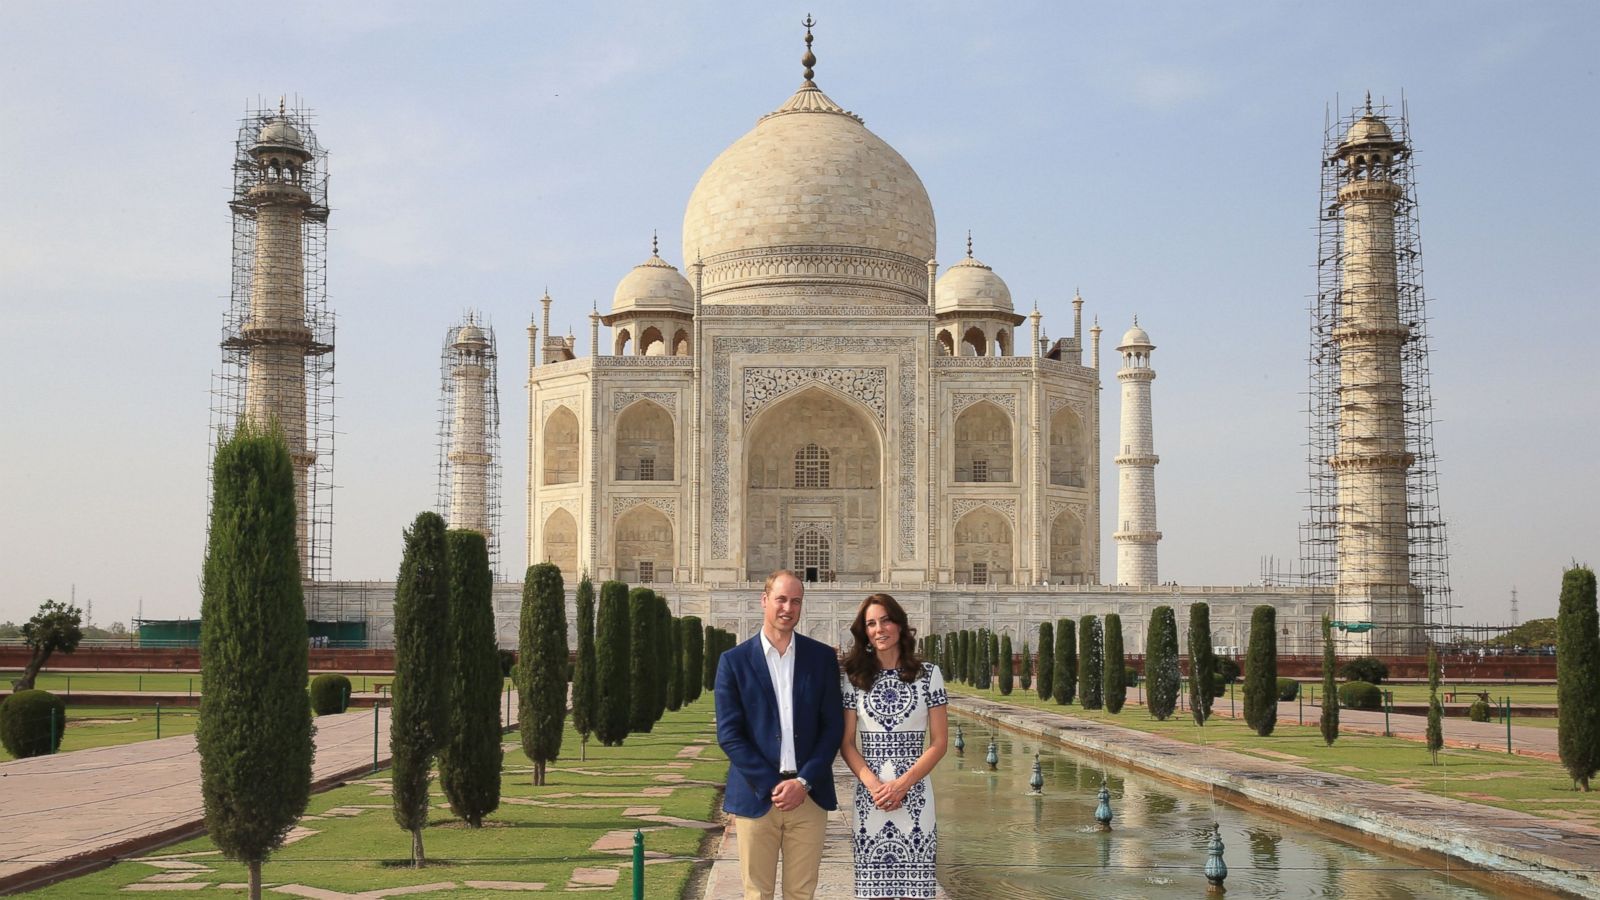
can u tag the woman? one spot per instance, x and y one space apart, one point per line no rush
892 701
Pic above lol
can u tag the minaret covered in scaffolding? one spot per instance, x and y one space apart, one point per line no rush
1136 464
1375 532
277 343
469 432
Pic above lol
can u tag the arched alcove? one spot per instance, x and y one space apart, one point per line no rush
623 338
646 443
1068 448
983 444
1002 342
947 342
680 343
651 343
983 548
560 536
644 546
974 342
1068 555
561 447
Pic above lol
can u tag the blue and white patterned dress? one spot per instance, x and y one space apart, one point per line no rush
894 851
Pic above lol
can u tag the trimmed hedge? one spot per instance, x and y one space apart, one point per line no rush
330 694
1360 695
1288 689
25 720
1479 711
1364 668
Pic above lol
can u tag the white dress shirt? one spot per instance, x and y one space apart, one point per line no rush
781 667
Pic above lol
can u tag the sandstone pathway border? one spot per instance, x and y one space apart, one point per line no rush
1556 855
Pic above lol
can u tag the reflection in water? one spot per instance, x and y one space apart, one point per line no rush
996 840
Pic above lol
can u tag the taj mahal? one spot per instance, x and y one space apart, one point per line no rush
807 387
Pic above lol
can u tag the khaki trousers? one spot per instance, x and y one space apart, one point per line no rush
797 835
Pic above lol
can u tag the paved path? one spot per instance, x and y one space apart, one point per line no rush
1557 854
74 811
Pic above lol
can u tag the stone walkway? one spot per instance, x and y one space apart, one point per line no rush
71 812
1559 855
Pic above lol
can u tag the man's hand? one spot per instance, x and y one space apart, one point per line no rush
788 795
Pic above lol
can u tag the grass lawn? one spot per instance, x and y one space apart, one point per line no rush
106 726
1496 779
164 682
349 842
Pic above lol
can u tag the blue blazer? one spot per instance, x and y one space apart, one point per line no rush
748 729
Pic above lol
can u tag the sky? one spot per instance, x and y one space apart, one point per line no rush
1160 157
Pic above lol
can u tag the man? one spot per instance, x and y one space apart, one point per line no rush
780 718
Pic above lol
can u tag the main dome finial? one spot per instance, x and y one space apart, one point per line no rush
810 59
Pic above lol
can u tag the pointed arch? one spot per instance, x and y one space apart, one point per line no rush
1068 554
651 343
560 543
623 338
983 444
947 342
1002 342
646 443
561 447
974 342
1069 448
645 547
983 547
680 343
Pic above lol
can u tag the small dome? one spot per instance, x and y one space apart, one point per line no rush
280 132
1368 128
971 285
470 334
1136 337
654 284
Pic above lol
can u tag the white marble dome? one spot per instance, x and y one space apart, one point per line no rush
653 285
1135 337
1368 128
969 285
280 132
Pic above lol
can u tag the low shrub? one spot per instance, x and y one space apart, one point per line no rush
25 720
508 658
1360 695
330 694
1132 676
1364 668
1479 712
1288 689
1227 670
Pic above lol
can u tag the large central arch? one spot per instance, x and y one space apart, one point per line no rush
815 475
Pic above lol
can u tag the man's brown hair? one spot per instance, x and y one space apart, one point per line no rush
767 588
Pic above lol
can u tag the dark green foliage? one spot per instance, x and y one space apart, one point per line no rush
1005 665
985 659
1115 692
1228 671
1479 711
1065 680
1329 722
662 644
1364 668
1288 689
694 651
1261 672
420 717
508 658
1130 679
585 672
330 694
1532 633
994 655
55 628
613 675
543 690
642 658
1578 676
1026 678
1091 662
1202 663
469 759
1435 710
1360 695
1047 660
1161 674
254 733
675 666
32 723
969 661
709 662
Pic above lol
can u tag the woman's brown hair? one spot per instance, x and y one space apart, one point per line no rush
861 664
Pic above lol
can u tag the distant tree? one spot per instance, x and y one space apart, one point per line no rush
1116 668
1261 672
1370 669
1005 665
675 667
1435 710
419 720
1161 674
1065 680
543 691
713 649
613 676
663 648
55 628
1578 676
1027 667
985 660
1091 662
642 612
994 654
694 651
1330 695
585 669
1047 660
469 760
1202 663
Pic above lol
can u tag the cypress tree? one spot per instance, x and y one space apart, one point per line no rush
994 655
1435 710
948 659
1091 662
663 649
254 733
968 666
543 687
1261 672
1330 694
1047 660
642 611
708 680
1116 677
1578 676
613 678
1161 675
675 668
1065 686
985 660
469 761
1005 666
694 652
1202 662
1027 666
585 670
420 717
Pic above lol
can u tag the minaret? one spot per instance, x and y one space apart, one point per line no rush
1136 483
469 370
1370 459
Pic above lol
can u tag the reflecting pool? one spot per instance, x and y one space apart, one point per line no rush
998 840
